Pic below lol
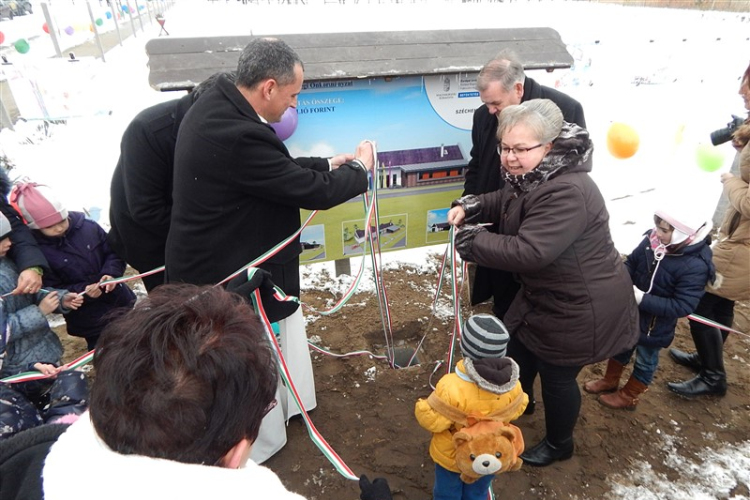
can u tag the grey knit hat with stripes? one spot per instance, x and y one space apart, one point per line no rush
485 336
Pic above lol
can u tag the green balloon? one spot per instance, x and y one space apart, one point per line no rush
99 22
22 46
709 158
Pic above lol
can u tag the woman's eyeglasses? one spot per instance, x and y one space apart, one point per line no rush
518 152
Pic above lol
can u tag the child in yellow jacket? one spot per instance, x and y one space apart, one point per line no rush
484 382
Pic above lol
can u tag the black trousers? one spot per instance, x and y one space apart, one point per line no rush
500 285
715 308
560 392
152 281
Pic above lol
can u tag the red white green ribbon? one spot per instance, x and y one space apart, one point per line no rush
710 322
450 258
270 253
369 210
374 244
279 293
315 435
35 375
125 279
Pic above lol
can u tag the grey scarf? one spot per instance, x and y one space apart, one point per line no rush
571 148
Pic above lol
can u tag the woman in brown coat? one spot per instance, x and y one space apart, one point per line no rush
576 304
732 261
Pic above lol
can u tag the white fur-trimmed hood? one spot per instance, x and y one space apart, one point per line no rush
80 466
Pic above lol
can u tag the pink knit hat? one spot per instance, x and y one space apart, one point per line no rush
37 204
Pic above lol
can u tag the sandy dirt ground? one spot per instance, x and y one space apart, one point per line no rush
366 409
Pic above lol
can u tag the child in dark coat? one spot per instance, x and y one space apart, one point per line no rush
27 343
670 269
79 258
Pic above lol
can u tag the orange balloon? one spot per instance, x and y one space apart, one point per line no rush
622 140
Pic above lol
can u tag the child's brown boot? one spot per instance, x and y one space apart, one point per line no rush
626 398
610 382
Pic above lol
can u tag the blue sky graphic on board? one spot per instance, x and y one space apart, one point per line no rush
402 113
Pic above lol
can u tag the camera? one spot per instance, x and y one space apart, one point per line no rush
725 134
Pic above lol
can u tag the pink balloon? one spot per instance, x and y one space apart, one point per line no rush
288 124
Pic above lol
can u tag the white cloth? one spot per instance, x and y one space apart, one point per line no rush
293 342
80 466
638 294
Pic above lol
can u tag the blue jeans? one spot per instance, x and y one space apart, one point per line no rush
646 362
448 486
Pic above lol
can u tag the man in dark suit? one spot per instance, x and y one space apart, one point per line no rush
141 189
501 83
237 194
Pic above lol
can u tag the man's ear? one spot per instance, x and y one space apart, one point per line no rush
269 86
518 88
237 455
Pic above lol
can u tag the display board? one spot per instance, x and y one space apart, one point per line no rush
421 126
411 92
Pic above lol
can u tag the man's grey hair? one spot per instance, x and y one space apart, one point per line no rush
505 68
541 116
265 58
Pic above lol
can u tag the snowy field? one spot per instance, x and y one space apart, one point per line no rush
690 62
694 93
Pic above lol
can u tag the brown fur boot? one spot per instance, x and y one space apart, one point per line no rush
609 383
626 398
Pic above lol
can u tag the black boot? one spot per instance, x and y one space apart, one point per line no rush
530 407
690 360
712 379
545 453
706 383
693 360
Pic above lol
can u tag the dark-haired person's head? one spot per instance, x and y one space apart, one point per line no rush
210 82
187 376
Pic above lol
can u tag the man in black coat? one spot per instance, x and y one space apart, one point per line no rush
501 83
141 190
238 192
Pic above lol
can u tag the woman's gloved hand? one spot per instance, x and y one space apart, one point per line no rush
465 240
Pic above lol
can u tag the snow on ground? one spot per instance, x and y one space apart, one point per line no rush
712 475
689 60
